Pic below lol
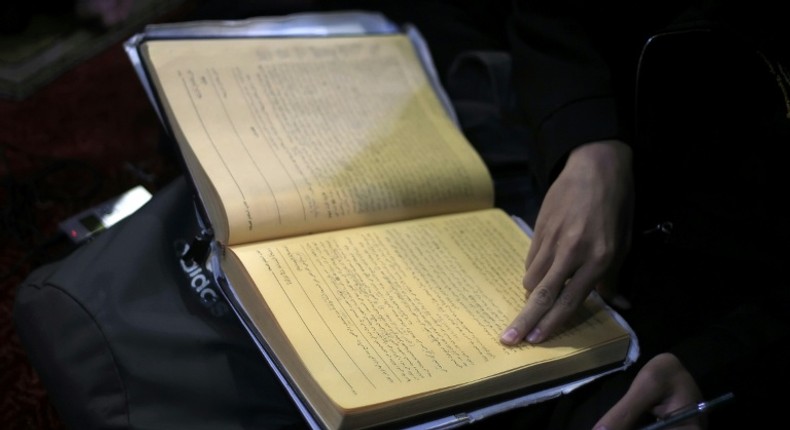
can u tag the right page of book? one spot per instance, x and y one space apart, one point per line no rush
396 311
289 136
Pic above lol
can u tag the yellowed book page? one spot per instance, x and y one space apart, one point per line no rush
399 310
303 135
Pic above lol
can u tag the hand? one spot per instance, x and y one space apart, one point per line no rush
581 235
661 386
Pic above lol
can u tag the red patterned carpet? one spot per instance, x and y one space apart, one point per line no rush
88 136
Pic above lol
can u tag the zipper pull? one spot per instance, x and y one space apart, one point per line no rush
664 228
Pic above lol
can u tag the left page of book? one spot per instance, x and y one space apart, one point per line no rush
290 136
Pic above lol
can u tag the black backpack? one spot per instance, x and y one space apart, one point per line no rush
120 339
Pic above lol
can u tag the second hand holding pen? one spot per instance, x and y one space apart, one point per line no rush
688 412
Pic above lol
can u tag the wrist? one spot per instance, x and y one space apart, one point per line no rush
602 152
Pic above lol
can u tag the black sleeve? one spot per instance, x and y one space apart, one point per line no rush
575 65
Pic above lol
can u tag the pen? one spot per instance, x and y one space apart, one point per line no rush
687 412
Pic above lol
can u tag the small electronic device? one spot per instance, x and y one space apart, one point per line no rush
90 222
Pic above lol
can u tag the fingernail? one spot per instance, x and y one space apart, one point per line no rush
509 336
534 336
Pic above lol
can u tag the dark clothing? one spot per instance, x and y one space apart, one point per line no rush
576 62
711 126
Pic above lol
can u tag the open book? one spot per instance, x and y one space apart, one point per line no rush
357 230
